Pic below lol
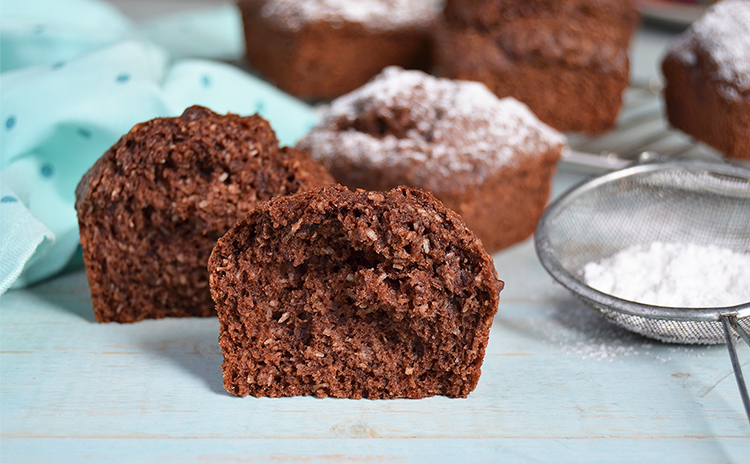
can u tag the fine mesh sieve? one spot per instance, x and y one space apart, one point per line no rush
676 202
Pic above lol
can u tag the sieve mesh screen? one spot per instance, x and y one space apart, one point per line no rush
679 202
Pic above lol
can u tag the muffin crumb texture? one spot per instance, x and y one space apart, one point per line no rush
353 294
152 207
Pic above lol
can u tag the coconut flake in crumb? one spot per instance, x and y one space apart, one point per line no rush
458 125
375 15
724 34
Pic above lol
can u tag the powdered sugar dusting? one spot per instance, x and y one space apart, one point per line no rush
576 329
724 33
581 331
680 275
453 126
375 15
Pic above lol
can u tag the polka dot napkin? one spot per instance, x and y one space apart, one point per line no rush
77 75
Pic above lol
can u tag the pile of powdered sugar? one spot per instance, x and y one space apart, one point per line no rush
455 126
374 15
680 275
724 33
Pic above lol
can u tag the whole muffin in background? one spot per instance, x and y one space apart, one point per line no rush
707 73
566 59
490 160
152 207
360 294
320 49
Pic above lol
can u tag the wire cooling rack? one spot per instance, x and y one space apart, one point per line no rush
641 127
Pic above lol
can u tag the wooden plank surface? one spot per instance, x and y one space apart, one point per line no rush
559 384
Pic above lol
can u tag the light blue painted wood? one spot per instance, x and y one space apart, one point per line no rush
356 450
559 384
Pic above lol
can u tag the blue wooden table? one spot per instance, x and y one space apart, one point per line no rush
559 384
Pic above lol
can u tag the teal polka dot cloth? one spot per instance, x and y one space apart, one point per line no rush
75 76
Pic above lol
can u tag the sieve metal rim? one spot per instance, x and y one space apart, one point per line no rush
594 297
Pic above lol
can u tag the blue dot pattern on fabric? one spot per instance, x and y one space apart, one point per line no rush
122 78
85 133
206 81
39 29
58 65
8 199
48 170
10 122
259 106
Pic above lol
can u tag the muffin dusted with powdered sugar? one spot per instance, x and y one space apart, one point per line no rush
490 160
373 15
324 48
707 70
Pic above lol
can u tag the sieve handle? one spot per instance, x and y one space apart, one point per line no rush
728 321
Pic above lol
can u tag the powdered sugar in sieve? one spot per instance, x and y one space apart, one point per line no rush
691 205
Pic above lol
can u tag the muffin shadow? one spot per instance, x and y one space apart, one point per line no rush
195 350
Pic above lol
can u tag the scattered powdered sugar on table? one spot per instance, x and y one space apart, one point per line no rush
724 33
584 332
679 275
579 330
375 15
454 126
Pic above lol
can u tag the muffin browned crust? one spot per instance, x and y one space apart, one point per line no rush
707 73
566 59
489 160
318 49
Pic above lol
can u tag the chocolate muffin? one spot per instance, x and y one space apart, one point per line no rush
566 59
320 49
707 73
152 207
490 160
353 294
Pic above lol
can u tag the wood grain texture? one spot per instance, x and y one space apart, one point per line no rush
362 450
559 384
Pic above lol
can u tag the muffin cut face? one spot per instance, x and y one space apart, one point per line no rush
151 209
353 294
